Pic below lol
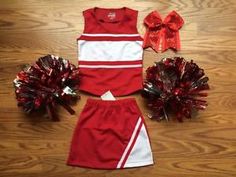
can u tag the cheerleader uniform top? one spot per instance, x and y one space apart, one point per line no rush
110 51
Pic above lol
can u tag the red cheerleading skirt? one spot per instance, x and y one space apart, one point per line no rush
110 135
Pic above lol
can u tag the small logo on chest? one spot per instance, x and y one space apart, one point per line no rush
111 15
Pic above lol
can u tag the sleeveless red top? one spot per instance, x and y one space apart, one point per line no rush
110 51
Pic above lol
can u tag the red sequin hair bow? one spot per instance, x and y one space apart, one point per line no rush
162 34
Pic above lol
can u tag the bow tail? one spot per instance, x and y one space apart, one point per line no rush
170 40
146 40
152 39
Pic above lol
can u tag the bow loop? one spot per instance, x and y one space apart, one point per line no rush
164 33
153 20
174 21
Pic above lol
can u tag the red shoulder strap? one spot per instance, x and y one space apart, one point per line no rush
132 16
87 19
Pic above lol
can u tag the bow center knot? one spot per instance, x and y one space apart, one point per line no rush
163 25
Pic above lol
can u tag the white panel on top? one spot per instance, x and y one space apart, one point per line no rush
110 50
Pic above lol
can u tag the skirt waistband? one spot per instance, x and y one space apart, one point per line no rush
111 102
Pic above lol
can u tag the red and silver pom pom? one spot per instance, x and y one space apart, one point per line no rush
175 85
51 80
